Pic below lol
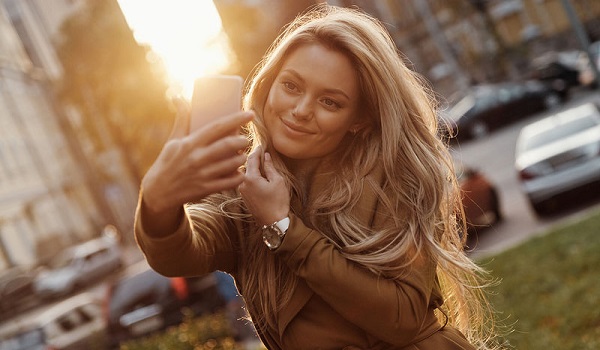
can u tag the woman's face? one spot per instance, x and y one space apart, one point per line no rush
313 102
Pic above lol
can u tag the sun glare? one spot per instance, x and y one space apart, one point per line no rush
185 34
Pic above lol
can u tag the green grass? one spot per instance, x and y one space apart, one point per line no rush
549 289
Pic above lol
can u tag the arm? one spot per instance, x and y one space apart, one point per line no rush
392 311
189 251
190 167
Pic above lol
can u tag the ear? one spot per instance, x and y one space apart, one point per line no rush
357 127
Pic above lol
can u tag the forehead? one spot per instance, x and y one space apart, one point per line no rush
324 65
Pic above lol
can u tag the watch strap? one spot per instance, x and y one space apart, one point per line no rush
283 225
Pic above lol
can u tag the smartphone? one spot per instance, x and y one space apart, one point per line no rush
215 96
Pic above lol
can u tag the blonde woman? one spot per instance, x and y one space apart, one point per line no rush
342 230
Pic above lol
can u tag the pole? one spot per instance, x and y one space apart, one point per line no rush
436 33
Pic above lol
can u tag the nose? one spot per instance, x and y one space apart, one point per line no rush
303 108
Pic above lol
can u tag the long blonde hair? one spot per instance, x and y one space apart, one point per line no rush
401 136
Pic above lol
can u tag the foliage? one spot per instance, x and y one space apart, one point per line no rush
109 78
206 332
550 287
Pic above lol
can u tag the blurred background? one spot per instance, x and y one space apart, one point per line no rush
85 91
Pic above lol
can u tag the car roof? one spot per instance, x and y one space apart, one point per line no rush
556 127
556 120
90 246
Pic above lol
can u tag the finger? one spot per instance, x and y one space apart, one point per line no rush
221 127
181 127
222 168
224 183
269 168
253 163
227 147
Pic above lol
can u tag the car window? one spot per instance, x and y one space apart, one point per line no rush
85 315
67 323
62 260
485 101
461 107
558 133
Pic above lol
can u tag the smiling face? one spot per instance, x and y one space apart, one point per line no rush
313 102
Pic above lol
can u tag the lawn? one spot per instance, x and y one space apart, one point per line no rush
550 288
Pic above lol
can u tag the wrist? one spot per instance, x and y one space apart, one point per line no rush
161 222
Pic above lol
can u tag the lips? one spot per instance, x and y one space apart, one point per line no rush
296 128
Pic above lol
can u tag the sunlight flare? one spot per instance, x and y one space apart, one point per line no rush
186 35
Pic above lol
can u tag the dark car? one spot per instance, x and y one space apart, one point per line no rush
487 107
479 198
143 301
560 70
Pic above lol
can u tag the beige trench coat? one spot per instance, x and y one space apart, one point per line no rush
337 304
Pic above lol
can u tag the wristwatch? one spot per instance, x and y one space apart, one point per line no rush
274 233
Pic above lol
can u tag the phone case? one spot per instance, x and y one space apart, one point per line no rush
215 96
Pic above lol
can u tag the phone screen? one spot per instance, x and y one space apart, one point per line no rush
215 96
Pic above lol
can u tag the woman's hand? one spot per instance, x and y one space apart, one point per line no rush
193 165
267 197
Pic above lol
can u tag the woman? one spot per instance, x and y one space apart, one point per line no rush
342 231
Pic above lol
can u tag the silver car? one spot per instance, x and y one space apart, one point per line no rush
559 155
73 324
79 266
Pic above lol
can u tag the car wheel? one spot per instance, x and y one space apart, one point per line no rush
496 206
541 209
479 130
552 101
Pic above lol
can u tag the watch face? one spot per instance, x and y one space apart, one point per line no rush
271 238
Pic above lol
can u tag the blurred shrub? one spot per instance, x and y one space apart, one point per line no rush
209 332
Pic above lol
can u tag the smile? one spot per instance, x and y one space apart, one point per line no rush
296 128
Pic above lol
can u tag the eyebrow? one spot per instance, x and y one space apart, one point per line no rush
327 90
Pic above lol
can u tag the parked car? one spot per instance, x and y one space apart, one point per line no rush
16 291
79 266
487 107
73 324
558 155
561 70
479 198
143 301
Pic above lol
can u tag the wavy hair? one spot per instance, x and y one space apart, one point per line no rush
419 190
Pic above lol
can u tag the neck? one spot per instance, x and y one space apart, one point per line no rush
303 169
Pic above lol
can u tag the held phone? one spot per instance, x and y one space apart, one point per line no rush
215 96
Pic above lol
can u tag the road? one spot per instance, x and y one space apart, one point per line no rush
494 156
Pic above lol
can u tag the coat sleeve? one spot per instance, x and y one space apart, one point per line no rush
201 244
393 311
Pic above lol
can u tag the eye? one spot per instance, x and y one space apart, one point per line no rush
330 104
289 86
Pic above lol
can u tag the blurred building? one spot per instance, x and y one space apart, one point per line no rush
453 41
50 192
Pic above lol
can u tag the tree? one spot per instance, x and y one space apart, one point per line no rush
109 78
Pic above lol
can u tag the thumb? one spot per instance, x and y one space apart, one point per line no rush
181 127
